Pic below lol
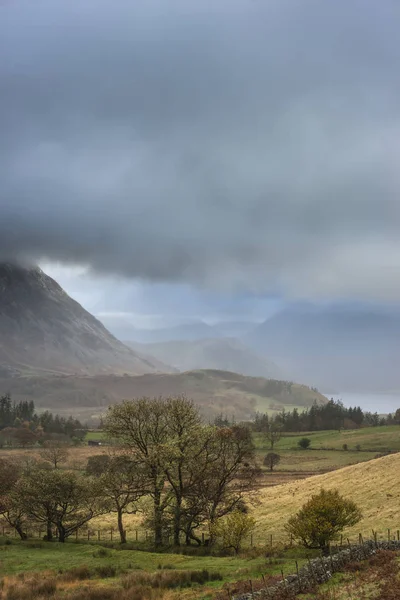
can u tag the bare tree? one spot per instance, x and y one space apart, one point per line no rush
271 460
273 434
54 452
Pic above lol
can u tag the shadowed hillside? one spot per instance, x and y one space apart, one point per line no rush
43 330
213 391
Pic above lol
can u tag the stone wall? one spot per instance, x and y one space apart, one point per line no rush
319 570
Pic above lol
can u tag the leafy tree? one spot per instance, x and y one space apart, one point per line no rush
60 498
189 447
122 484
141 427
98 464
304 443
273 434
229 475
54 452
271 460
233 529
321 520
10 508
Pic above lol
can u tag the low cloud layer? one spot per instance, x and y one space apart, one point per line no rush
233 144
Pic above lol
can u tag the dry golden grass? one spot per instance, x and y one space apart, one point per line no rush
374 486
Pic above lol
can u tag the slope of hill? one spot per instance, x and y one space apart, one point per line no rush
213 391
343 349
372 485
43 330
225 354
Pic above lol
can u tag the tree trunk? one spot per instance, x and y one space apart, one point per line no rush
49 532
61 533
122 532
20 532
177 521
157 519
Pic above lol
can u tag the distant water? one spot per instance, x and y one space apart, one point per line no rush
379 402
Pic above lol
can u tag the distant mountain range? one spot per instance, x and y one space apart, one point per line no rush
336 348
43 330
123 329
225 354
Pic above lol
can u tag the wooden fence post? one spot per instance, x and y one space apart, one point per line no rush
251 540
251 588
111 534
298 575
136 535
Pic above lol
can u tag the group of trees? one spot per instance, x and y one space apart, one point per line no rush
163 461
319 417
51 498
193 474
21 425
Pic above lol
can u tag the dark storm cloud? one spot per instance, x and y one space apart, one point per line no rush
243 144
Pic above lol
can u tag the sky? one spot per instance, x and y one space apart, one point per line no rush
209 159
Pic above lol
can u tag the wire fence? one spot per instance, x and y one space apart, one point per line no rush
142 536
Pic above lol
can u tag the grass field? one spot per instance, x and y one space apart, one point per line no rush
375 439
55 558
374 486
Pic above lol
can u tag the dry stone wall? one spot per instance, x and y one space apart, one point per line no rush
319 570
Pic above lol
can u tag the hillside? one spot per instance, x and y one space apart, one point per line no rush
373 485
43 330
225 354
213 391
337 348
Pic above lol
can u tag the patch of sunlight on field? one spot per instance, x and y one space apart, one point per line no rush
374 486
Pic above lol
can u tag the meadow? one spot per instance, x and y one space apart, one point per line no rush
101 569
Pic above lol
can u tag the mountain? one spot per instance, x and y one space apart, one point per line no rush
124 330
43 330
339 348
225 354
213 391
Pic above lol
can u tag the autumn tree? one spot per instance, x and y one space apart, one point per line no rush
141 427
322 519
54 452
60 498
188 447
122 483
233 529
230 473
10 508
271 460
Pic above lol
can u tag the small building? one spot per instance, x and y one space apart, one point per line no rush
94 443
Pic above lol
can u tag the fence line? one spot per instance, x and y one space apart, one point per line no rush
140 536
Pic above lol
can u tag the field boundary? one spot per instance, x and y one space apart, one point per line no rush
318 571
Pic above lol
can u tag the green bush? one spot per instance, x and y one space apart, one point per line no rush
304 443
321 520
